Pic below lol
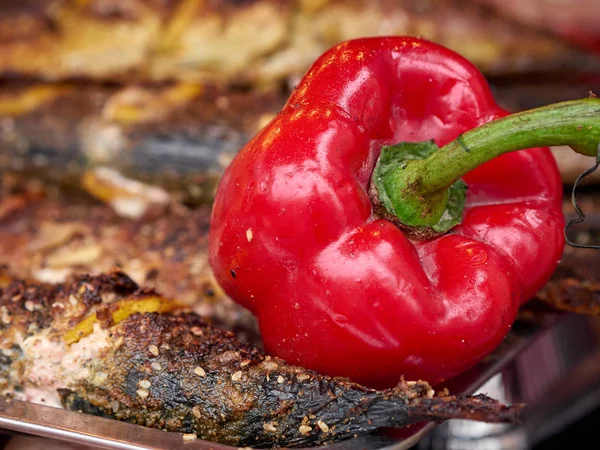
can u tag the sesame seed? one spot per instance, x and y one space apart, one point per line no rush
280 379
249 234
145 384
302 377
304 430
6 319
153 349
269 427
430 393
156 366
197 331
7 352
196 412
100 377
143 393
244 363
115 406
312 416
411 383
189 437
119 341
237 376
200 371
323 426
29 305
269 365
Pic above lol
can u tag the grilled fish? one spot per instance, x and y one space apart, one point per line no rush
48 234
251 42
179 136
102 345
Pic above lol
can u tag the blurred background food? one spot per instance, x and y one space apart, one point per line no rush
166 91
577 21
251 41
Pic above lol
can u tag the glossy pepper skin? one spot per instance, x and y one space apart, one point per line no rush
294 238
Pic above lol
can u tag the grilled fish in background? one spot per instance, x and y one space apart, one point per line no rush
103 346
47 235
250 41
160 118
177 136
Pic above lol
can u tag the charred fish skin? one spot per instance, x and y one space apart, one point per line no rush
174 372
208 41
235 395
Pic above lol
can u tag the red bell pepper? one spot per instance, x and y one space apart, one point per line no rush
308 239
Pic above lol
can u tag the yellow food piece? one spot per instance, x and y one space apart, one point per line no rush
4 281
137 105
123 310
30 99
179 21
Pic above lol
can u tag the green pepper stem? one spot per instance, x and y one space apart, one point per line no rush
574 123
421 186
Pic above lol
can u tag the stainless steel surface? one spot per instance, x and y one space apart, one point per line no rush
557 377
105 433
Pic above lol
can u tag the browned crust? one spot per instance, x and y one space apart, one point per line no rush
47 234
573 295
575 286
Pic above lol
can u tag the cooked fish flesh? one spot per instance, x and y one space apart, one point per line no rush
47 235
102 345
251 41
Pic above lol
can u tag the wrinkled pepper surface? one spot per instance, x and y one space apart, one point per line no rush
301 236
